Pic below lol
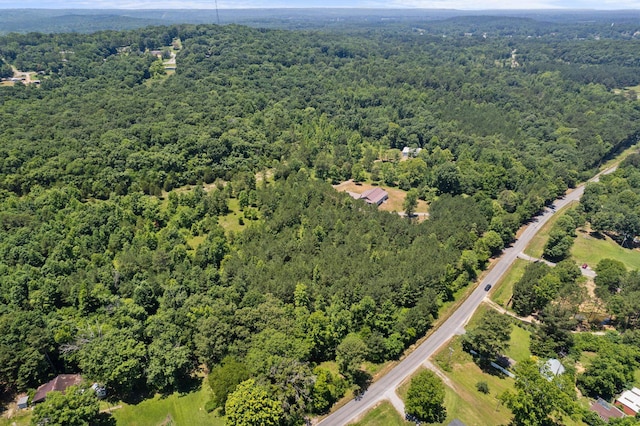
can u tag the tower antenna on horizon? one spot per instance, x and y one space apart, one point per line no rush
217 14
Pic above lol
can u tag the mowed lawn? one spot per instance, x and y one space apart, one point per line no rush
504 290
175 410
536 246
383 414
393 204
591 249
519 344
465 402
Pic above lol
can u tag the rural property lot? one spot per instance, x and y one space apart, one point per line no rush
393 204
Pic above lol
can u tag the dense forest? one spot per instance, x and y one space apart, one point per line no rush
103 251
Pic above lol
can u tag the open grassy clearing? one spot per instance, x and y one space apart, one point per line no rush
393 204
382 415
590 249
194 242
477 316
465 402
457 406
18 418
185 409
502 294
633 92
536 247
519 344
585 360
230 221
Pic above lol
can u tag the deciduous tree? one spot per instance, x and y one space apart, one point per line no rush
425 398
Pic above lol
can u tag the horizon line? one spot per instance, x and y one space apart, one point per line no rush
407 8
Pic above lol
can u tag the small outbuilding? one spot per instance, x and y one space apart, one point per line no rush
23 402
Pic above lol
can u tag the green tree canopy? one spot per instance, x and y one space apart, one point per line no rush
537 401
490 338
425 398
251 404
224 378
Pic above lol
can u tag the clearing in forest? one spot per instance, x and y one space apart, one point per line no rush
393 204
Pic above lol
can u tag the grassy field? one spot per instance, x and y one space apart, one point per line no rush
383 415
230 221
21 418
536 247
591 250
464 401
393 204
519 344
174 410
504 290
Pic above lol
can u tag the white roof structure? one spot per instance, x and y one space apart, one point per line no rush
551 368
631 399
406 151
23 401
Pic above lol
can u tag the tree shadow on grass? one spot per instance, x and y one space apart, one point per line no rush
189 384
485 365
362 380
186 385
105 419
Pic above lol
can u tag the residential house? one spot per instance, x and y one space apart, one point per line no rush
372 196
60 383
605 410
629 401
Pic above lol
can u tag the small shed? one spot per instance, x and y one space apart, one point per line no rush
23 402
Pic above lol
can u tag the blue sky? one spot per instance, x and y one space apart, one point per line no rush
241 4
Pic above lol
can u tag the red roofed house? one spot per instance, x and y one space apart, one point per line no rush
60 384
630 401
605 410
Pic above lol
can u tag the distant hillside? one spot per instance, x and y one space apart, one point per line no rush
86 20
61 21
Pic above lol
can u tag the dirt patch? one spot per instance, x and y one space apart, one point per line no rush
593 305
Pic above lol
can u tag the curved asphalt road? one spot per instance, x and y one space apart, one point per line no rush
387 384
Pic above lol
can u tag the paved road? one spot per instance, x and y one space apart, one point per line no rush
379 390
